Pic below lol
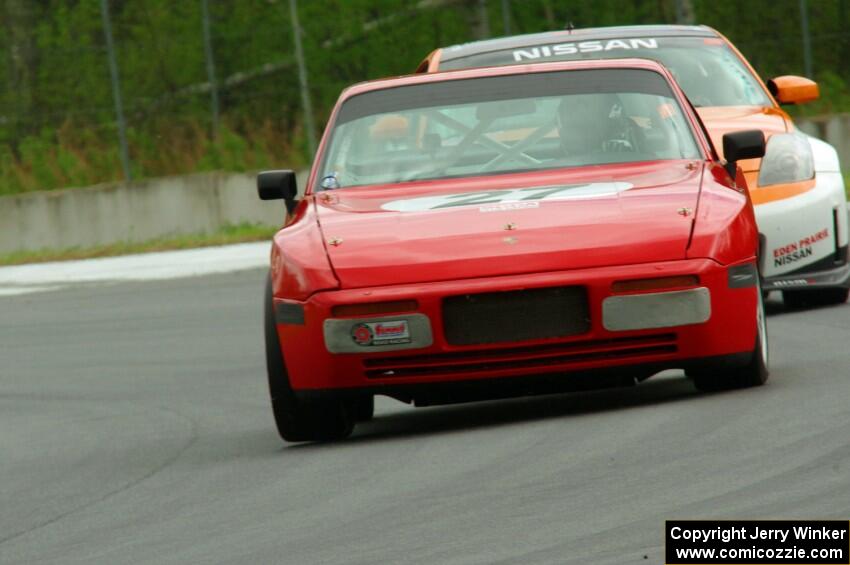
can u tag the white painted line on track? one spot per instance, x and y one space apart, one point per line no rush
17 290
40 277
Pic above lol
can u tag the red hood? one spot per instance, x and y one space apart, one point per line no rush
720 120
509 224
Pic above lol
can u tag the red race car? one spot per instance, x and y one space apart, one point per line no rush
512 230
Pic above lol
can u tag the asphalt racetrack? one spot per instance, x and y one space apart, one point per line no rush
135 428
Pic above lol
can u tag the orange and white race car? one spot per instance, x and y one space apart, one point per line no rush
797 188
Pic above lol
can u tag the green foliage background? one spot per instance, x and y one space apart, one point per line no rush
57 121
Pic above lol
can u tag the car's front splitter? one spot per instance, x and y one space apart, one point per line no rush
834 271
460 391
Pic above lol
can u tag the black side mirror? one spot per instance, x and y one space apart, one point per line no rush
276 185
748 144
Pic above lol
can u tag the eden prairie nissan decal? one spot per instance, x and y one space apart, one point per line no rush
797 250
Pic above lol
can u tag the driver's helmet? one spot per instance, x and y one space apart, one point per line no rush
586 122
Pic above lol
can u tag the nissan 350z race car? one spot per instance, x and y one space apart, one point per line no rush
504 231
797 188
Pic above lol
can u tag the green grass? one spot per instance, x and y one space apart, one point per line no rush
847 185
228 234
75 155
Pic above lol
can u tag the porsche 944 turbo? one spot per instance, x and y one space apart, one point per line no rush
511 230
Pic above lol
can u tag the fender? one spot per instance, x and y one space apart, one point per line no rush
724 227
825 155
299 261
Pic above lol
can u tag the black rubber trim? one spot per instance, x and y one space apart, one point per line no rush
287 313
427 394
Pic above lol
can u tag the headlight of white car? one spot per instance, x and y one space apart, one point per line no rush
788 158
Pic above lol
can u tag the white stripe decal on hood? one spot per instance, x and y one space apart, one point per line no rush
487 199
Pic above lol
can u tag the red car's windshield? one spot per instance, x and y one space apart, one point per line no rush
518 122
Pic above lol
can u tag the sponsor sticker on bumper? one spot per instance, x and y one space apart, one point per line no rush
373 335
394 332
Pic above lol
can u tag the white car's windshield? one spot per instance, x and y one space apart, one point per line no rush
501 124
708 71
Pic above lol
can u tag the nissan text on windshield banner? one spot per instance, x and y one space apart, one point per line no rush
761 542
557 49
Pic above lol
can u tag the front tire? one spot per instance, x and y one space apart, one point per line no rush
363 408
798 299
296 420
754 373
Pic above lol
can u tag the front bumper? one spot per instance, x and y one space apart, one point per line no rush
804 238
723 328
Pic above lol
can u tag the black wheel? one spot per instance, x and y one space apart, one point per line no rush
298 421
754 373
363 409
811 298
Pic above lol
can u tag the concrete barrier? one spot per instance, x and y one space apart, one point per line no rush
137 211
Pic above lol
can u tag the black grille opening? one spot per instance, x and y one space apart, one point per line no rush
516 315
840 252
